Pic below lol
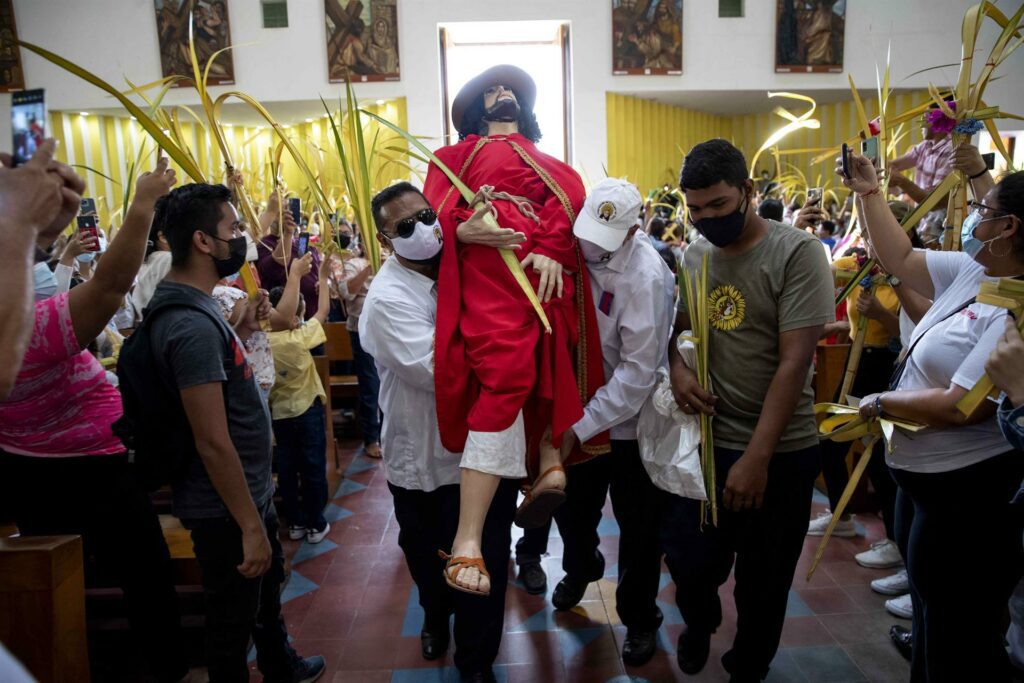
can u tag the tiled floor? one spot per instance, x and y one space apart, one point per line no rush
351 599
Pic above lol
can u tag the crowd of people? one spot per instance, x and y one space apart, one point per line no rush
478 372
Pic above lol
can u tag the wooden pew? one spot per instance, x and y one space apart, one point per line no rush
323 368
339 348
42 606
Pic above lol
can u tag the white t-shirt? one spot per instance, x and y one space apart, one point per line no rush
952 350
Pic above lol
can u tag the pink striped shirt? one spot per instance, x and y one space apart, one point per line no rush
62 404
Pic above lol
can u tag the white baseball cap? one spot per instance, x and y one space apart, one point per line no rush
610 210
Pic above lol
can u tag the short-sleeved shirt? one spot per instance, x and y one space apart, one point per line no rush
932 161
783 283
257 346
950 349
272 274
297 384
875 335
61 404
190 350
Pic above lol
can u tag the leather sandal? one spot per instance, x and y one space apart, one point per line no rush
537 508
459 564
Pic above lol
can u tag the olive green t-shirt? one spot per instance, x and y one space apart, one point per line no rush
783 283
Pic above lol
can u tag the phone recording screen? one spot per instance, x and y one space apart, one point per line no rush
28 123
303 243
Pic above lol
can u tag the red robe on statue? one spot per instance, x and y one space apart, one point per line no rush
492 357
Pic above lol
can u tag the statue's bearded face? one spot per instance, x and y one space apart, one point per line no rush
497 93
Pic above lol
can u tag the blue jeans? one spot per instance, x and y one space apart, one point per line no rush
369 387
301 454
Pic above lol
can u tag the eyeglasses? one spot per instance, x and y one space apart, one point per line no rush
404 227
978 206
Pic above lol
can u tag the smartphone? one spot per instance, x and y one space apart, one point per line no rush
303 243
89 226
814 194
990 160
846 160
869 149
87 207
295 207
28 123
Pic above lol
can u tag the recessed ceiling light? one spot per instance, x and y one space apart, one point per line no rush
309 120
380 102
83 113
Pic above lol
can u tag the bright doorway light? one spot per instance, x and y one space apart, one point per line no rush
541 48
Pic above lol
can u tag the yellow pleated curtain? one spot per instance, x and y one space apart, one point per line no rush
109 145
647 140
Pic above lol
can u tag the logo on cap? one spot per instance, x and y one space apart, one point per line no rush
606 211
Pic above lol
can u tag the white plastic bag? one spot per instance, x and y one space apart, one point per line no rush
669 438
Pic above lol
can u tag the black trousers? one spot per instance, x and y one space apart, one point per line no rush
237 607
427 522
638 505
99 498
873 374
960 593
765 545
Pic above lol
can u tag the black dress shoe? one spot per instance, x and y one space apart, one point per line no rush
639 647
486 676
692 650
434 642
903 639
533 577
570 590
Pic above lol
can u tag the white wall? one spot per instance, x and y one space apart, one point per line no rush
117 38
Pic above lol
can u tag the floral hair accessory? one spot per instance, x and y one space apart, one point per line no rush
969 126
937 120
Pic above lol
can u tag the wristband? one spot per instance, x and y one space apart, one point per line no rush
878 405
978 174
876 190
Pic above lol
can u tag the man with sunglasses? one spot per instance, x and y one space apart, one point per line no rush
503 381
397 328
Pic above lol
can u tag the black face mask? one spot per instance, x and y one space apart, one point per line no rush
344 239
236 256
504 111
722 231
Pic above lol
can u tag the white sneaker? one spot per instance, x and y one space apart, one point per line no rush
902 606
844 529
296 532
882 555
315 537
896 584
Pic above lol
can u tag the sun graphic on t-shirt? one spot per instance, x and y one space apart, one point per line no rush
726 308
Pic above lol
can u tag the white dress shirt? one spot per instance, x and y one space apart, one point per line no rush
396 327
633 293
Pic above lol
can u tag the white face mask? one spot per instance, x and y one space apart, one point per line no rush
44 281
422 245
594 254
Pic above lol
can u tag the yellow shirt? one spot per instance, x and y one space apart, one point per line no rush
297 383
875 334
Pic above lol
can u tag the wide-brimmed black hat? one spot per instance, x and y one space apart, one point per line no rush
503 74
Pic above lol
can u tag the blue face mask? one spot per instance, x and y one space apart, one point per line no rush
44 281
91 255
970 244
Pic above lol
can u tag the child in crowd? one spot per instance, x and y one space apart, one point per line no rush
297 406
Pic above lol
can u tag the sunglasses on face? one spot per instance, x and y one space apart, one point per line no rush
404 227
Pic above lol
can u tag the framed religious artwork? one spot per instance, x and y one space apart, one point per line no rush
362 40
647 37
212 33
11 75
809 36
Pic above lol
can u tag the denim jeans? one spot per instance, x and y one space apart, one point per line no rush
237 607
369 387
302 459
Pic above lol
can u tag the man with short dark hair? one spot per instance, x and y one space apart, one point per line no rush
769 294
770 209
223 495
397 327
